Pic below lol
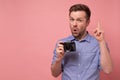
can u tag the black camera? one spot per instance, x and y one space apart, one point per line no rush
69 46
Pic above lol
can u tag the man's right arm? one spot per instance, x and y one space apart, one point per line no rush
56 67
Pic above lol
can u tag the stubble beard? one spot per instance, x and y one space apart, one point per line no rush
80 35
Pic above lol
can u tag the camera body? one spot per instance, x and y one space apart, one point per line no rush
69 46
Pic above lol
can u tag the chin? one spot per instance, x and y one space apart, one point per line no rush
75 35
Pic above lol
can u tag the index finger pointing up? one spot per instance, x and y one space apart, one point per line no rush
99 27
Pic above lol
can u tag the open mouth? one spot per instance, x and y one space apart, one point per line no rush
75 30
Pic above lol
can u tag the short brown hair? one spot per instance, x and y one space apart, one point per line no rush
81 7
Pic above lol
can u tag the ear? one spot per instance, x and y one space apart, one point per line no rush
88 21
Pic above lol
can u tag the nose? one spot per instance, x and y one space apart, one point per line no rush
75 24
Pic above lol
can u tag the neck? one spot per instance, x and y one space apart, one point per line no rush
82 36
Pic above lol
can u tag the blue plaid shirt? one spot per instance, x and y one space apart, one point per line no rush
84 63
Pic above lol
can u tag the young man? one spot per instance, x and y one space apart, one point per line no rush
91 55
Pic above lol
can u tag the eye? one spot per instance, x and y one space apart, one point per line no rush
71 19
79 20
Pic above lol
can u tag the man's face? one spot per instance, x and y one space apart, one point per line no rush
78 23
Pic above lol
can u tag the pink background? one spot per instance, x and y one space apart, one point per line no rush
29 30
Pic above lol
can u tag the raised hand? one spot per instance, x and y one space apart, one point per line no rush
98 33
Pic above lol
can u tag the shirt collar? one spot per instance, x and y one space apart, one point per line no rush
86 38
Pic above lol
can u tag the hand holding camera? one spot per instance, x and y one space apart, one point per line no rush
63 47
60 51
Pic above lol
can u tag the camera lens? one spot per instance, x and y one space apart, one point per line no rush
68 47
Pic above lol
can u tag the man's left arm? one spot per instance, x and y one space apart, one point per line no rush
105 58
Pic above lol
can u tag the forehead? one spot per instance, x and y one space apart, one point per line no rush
78 14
